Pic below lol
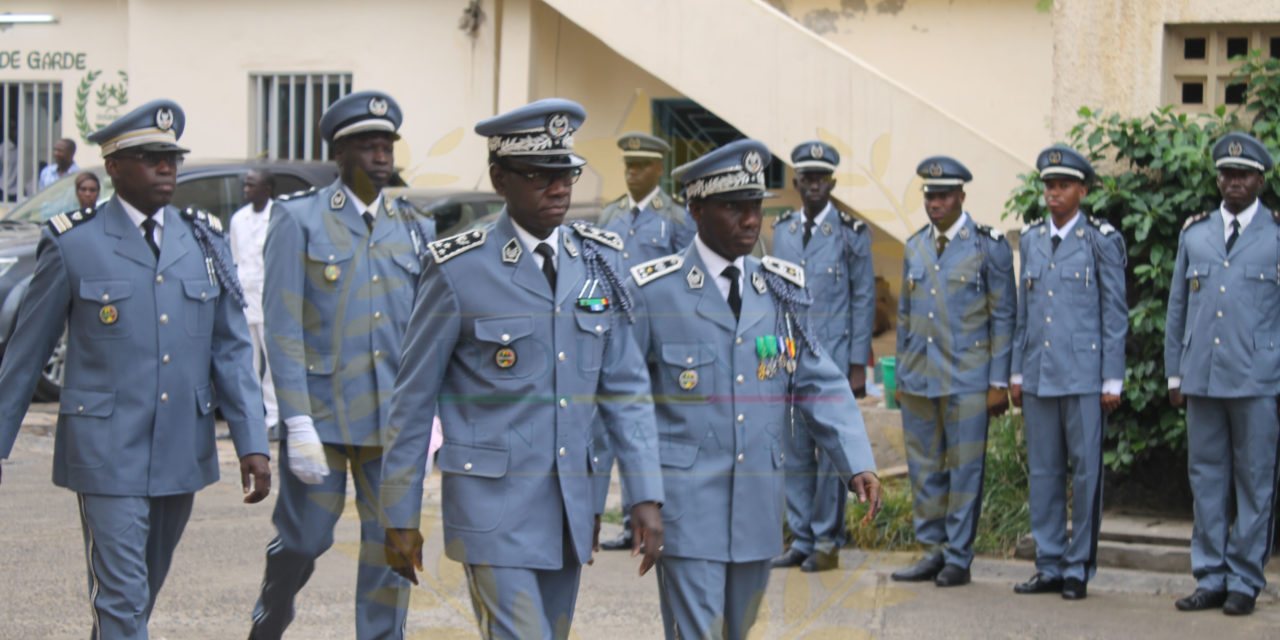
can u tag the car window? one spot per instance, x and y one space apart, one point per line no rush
219 195
59 197
288 183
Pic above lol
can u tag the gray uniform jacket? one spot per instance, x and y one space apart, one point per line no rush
721 439
840 277
1072 312
662 228
519 377
337 298
955 313
1222 329
147 342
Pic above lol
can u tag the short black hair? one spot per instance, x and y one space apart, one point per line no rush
70 142
266 176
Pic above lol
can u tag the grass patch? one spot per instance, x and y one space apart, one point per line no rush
1005 515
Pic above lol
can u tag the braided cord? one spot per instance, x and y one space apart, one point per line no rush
226 275
598 265
791 302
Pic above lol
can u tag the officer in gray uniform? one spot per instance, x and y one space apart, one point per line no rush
955 327
835 251
651 224
522 333
1068 369
1221 354
730 353
341 267
154 319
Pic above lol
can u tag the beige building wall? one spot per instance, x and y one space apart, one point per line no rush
989 63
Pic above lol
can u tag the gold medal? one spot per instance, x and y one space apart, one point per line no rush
332 272
911 285
762 371
505 358
108 314
688 379
1195 284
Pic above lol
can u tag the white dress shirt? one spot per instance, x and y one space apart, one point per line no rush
139 217
531 242
716 263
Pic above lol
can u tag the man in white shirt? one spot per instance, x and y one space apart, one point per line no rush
248 235
63 165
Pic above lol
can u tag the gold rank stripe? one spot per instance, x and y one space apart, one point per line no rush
61 223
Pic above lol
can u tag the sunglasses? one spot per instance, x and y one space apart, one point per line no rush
543 178
152 159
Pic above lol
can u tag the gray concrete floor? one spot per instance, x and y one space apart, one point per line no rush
218 567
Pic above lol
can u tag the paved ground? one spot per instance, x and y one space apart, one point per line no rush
219 563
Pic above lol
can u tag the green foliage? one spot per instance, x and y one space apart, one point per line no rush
1154 172
1004 520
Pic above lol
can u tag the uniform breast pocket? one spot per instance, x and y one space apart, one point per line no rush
1077 276
1030 277
915 284
965 281
508 348
1263 276
106 310
1197 274
589 343
326 265
690 365
202 297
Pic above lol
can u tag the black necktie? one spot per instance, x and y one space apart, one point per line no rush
1057 240
808 230
548 263
1235 233
735 295
942 243
368 220
635 213
149 234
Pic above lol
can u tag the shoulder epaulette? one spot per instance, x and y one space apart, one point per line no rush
784 217
606 238
194 214
64 222
647 272
1033 225
296 194
451 247
402 205
622 202
790 272
924 229
1194 219
1101 225
989 231
852 222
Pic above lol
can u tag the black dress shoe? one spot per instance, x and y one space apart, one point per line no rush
926 569
1039 584
1074 589
819 561
620 543
1238 604
789 558
1200 600
952 576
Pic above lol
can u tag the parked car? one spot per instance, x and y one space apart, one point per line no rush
454 210
215 186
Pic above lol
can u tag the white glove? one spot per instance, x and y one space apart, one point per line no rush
306 454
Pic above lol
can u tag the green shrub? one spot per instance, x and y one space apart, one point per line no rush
1154 172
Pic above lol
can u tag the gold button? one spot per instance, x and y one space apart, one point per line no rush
506 337
931 315
1222 289
1052 265
561 452
80 409
740 378
203 295
933 292
208 404
977 343
1226 263
106 297
930 339
1046 343
159 279
599 328
631 232
165 359
557 308
1094 347
377 353
741 417
937 268
802 262
595 459
311 367
1051 293
331 257
377 314
1216 341
563 403
782 457
164 318
466 467
164 397
625 254
1219 314
739 340
741 457
1048 319
962 279
560 356
688 360
830 270
375 277
1077 275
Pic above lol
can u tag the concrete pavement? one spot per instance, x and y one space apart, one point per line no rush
218 567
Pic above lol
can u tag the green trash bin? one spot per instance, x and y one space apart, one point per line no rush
888 367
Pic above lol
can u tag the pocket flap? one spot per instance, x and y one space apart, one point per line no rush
408 262
104 291
687 354
1264 340
206 401
593 323
327 253
503 330
1198 269
1084 342
677 453
200 289
83 402
1031 272
482 462
1261 272
915 273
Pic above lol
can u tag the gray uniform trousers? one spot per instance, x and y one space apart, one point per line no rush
128 546
709 600
1058 430
816 497
304 517
514 603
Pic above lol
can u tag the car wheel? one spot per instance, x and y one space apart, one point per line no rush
49 386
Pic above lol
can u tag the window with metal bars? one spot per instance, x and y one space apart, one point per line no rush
285 120
30 122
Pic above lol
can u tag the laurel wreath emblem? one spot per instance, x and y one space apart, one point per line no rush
82 102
